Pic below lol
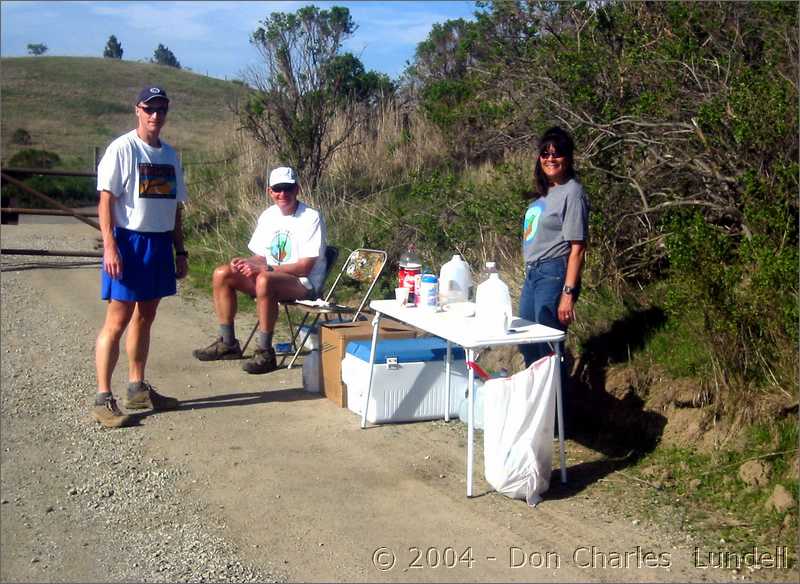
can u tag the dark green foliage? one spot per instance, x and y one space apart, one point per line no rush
163 56
34 158
348 80
37 49
70 191
21 136
113 48
685 115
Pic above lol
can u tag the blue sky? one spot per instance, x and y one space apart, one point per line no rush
212 37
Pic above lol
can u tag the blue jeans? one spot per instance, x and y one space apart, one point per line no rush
539 299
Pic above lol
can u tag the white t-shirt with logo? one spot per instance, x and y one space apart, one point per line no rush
147 183
285 239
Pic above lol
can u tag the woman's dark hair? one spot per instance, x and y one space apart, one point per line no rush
564 146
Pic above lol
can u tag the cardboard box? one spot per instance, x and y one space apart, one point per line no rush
333 340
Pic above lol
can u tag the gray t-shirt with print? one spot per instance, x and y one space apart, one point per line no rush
553 221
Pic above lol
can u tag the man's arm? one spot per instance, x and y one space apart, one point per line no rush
256 264
301 268
112 263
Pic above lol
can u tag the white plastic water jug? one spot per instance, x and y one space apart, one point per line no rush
493 306
455 281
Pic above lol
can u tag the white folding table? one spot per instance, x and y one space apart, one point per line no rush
463 331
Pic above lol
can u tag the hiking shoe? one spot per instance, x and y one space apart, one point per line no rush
262 361
218 350
109 414
147 397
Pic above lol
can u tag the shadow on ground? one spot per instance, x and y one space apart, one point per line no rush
618 427
228 400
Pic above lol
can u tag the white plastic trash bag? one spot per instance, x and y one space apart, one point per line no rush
519 414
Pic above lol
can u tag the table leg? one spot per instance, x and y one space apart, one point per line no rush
447 370
560 414
376 324
470 417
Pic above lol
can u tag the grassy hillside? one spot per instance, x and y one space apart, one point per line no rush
69 105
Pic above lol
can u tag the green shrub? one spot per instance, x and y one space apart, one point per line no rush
21 136
34 158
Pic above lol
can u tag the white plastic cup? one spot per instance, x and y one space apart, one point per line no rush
401 295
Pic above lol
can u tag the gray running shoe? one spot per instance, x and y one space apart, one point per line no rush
109 414
262 361
218 350
147 398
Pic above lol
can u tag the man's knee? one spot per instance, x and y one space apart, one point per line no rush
264 284
221 275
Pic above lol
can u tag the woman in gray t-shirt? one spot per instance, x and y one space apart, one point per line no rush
554 234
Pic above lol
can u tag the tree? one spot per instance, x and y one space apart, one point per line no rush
305 84
37 49
163 56
113 48
350 81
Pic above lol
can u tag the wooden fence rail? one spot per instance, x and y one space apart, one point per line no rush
6 175
21 185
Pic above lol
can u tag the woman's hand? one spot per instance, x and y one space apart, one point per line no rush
566 309
112 263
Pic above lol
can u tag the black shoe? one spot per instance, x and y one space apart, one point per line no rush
262 361
217 351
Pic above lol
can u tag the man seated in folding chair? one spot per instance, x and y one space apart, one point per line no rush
289 264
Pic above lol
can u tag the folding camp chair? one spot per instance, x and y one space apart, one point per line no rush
363 266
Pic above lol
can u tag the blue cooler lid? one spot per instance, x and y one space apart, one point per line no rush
405 350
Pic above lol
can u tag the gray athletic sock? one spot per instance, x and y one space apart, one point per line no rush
228 334
135 387
101 398
264 340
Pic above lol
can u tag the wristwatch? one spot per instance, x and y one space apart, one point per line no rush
568 289
182 252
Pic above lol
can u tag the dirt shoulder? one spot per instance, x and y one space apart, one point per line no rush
255 479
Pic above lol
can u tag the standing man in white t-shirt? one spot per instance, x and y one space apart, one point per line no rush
289 264
141 187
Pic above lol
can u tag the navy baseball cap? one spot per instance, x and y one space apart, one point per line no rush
151 92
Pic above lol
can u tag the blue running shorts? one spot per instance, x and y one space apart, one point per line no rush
148 267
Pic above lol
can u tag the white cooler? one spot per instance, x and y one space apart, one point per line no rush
408 382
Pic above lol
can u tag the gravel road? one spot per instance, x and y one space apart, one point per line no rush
78 502
254 479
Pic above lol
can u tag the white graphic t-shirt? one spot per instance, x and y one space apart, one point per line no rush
285 239
147 183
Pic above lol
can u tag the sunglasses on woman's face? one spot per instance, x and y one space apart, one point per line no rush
546 155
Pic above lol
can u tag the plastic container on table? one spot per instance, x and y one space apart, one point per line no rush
455 281
409 267
428 292
493 306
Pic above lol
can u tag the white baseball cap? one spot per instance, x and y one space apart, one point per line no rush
282 175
